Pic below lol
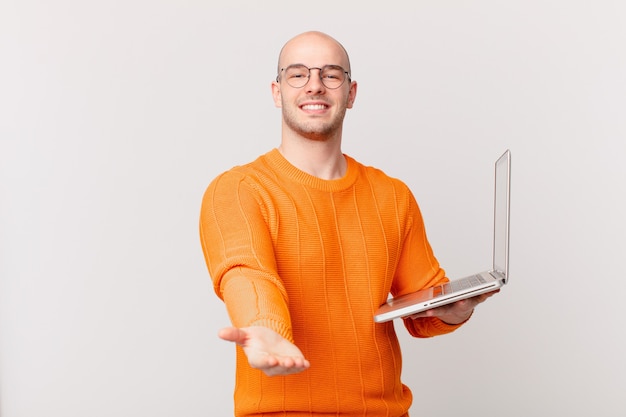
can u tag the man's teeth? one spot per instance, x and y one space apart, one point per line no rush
314 107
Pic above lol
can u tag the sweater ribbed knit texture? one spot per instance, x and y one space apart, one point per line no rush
313 259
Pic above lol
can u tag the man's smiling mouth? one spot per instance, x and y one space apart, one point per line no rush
314 107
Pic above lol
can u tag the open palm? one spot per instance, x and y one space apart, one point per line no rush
266 350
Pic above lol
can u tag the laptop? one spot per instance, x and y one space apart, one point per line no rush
472 285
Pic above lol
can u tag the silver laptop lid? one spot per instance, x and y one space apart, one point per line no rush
502 200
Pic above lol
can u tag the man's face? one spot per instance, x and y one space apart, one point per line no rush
313 111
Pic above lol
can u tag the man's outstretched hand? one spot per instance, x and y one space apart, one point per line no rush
267 350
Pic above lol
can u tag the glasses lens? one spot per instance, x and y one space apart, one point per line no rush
332 76
297 75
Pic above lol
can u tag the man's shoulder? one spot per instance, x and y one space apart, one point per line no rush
378 174
247 169
251 175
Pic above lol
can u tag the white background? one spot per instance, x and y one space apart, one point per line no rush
115 116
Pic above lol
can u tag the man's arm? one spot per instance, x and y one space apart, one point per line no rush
240 257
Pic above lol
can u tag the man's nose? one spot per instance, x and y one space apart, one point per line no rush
315 81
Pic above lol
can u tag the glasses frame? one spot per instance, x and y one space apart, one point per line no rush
319 74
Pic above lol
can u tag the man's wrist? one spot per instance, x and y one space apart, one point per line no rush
458 322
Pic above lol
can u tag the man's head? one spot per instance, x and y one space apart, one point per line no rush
313 86
309 37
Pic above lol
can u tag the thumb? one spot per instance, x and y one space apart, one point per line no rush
232 334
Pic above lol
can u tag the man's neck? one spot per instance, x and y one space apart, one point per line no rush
320 158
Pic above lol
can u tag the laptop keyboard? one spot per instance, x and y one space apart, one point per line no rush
463 283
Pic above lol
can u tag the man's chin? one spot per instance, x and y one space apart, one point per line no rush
316 135
315 131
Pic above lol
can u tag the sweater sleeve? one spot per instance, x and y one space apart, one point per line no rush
238 251
429 327
419 268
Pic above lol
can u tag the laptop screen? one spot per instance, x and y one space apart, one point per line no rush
501 215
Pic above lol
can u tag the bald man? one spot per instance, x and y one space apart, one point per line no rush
304 243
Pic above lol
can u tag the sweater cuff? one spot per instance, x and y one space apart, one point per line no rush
279 327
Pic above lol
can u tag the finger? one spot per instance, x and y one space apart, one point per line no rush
287 366
484 297
232 334
303 363
287 362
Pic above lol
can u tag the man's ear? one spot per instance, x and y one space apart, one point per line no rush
351 94
276 94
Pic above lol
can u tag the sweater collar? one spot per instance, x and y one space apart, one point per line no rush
278 162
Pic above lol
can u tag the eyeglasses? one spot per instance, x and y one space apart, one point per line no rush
298 75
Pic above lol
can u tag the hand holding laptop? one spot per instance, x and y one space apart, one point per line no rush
457 312
477 287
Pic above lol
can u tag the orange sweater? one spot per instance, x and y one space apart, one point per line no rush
313 259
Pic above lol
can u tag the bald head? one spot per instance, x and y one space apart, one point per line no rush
310 46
